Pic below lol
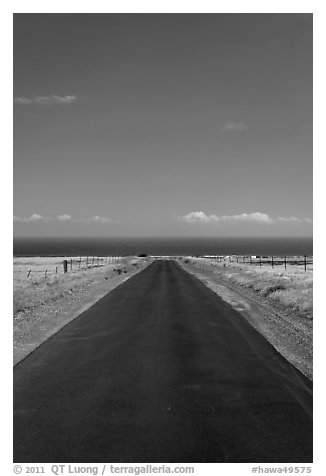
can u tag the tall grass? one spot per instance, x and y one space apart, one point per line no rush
32 292
291 287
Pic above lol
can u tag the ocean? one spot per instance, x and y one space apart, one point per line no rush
288 246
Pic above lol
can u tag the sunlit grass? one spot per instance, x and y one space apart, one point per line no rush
34 290
292 287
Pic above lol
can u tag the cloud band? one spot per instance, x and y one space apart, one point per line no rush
45 100
255 217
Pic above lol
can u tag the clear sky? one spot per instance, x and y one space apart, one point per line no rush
163 124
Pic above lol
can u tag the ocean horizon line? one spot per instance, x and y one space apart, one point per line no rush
162 246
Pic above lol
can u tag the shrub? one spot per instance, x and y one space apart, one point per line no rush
272 288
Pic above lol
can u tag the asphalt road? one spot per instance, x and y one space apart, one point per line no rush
160 370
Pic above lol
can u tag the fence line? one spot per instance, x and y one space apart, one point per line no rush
79 264
285 261
88 262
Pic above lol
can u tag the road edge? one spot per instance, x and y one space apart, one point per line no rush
65 318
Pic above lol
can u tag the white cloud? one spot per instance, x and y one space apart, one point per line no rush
255 217
45 100
233 126
22 101
64 217
98 219
35 217
251 217
201 217
290 219
64 99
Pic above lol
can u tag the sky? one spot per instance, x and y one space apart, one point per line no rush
163 125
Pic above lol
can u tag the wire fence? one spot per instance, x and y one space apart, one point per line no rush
305 261
88 262
74 264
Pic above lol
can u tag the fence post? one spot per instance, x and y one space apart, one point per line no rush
56 270
29 272
250 260
305 262
71 263
284 262
86 262
46 272
259 260
65 266
93 261
79 262
272 261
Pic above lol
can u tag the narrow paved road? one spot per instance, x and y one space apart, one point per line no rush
160 370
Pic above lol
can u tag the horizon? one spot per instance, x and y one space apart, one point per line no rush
163 125
166 246
177 237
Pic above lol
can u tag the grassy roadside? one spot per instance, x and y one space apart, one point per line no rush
291 288
277 302
43 305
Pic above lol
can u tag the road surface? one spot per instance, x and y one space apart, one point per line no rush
160 370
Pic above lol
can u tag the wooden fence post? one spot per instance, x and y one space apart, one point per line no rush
305 262
86 262
29 272
46 272
65 266
272 261
56 270
259 260
71 263
79 262
284 262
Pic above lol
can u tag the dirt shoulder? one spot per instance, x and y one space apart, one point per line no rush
42 308
288 331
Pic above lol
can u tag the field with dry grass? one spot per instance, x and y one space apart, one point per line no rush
43 302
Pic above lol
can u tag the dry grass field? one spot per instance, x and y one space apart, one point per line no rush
33 288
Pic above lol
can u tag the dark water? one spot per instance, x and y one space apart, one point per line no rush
161 246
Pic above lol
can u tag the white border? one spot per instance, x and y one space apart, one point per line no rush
60 6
